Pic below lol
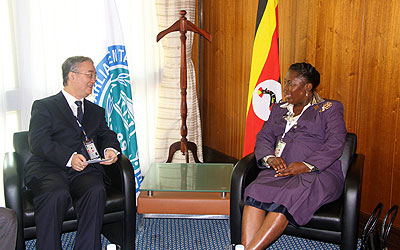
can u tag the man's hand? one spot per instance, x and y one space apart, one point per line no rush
111 155
293 169
277 163
78 162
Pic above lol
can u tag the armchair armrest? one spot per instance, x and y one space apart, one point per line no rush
122 176
128 179
12 183
122 179
245 171
12 189
351 200
129 190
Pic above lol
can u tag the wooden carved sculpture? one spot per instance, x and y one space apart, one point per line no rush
183 25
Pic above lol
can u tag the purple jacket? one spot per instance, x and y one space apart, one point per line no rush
318 138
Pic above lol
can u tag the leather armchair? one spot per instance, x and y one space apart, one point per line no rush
335 222
119 223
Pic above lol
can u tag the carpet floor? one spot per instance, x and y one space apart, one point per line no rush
184 234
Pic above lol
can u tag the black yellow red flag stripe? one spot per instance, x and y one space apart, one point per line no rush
264 87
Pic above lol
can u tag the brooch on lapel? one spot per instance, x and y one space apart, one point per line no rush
326 106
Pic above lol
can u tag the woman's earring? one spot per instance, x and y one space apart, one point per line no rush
306 93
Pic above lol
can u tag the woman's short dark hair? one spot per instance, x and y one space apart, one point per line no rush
307 71
71 65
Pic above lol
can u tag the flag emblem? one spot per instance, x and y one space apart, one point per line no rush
265 95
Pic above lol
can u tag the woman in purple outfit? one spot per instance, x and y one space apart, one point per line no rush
298 149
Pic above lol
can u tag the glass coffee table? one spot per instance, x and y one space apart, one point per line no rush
176 189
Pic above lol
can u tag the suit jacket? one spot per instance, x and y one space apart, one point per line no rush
318 138
54 135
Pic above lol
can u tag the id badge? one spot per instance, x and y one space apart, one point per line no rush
91 149
279 148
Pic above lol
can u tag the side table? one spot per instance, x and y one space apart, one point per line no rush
186 190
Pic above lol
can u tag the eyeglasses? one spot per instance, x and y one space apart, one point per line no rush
91 75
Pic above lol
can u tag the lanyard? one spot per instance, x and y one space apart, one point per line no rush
292 121
289 125
82 129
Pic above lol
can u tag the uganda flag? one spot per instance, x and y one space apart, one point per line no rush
264 88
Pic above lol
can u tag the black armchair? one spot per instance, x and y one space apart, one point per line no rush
336 222
119 223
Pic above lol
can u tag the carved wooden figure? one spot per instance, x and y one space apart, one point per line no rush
183 25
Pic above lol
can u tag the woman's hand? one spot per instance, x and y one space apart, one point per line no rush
277 163
293 169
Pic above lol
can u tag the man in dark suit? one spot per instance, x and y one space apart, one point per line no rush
58 173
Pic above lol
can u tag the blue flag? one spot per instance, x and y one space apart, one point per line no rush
112 91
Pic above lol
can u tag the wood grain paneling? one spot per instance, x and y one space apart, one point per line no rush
378 109
355 46
318 33
226 72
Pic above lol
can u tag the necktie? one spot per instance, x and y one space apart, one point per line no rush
80 112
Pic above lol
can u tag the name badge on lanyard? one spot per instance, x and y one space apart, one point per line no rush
91 148
89 144
279 148
281 144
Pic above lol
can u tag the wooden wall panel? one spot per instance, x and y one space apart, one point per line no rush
327 35
355 45
226 72
378 109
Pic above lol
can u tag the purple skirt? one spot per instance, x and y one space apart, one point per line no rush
301 194
271 207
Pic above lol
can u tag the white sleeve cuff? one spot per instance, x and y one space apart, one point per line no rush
264 160
116 151
311 167
69 163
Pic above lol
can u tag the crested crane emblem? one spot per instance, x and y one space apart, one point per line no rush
265 95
